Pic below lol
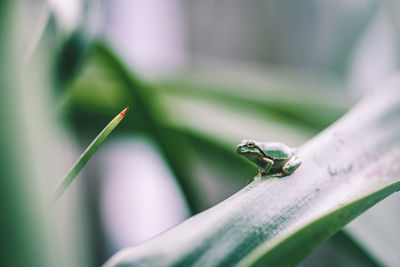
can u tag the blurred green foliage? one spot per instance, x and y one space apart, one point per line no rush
199 120
195 118
192 121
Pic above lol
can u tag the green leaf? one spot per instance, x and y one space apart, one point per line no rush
229 124
303 240
276 91
86 155
346 169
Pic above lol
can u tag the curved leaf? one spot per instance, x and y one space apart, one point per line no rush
304 239
346 169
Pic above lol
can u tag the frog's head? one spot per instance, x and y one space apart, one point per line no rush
249 148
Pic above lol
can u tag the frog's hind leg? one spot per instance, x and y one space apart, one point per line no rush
290 166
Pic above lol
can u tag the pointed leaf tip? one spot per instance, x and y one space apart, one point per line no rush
123 113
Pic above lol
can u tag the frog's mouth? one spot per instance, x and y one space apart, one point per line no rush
241 150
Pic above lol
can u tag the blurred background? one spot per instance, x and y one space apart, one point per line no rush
199 76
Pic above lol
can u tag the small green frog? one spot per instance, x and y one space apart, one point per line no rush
273 159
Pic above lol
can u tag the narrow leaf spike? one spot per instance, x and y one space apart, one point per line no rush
123 113
85 156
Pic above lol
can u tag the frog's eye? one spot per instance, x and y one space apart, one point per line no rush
250 145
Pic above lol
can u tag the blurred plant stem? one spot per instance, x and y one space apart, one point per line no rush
23 239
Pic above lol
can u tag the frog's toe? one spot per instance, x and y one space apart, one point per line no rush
280 174
291 166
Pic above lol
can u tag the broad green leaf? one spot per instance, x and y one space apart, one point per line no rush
86 155
346 169
304 239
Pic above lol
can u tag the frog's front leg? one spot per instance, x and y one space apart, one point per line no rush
290 166
267 168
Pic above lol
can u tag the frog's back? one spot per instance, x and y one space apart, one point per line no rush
276 150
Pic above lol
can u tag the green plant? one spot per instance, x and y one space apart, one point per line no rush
346 169
63 81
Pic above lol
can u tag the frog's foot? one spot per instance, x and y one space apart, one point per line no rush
280 174
290 166
258 175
